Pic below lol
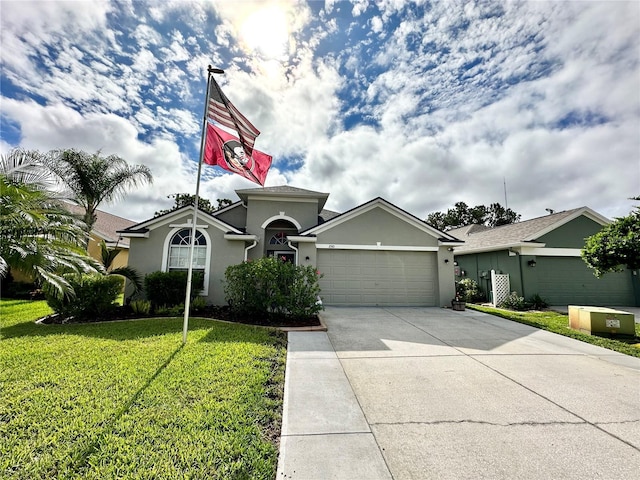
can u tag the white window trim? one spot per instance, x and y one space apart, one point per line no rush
207 266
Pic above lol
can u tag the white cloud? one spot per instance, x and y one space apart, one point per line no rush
359 7
146 35
60 127
454 98
376 24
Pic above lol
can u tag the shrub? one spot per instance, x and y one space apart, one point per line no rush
536 302
467 290
269 286
514 302
140 307
161 310
94 296
198 304
304 292
168 288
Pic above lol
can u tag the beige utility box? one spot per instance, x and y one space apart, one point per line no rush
601 320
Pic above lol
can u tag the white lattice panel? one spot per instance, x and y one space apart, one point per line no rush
500 286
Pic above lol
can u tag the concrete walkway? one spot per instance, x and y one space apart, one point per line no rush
419 393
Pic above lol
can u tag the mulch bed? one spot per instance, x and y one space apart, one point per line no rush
213 312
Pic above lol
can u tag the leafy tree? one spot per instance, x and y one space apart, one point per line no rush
38 235
437 220
186 199
497 215
93 179
615 246
462 215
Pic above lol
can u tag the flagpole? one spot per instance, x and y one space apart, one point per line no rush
187 298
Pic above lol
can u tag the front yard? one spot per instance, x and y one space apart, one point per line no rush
127 400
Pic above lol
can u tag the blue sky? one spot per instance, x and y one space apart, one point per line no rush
424 104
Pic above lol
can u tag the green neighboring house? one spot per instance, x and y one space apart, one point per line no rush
542 256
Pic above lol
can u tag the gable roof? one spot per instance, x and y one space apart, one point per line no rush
283 191
107 225
517 234
142 229
380 202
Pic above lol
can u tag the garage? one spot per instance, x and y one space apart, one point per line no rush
563 280
378 277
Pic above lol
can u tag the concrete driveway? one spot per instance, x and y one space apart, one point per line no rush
420 393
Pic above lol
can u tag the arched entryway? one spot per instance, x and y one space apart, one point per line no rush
276 244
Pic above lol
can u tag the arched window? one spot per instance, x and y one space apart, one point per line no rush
279 238
179 250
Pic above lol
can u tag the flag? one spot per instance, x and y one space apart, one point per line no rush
221 110
225 150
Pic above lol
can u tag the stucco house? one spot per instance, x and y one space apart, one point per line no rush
373 254
542 256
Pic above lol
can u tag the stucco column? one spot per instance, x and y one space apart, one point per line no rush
446 278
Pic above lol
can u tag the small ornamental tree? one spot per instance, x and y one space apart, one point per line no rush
616 246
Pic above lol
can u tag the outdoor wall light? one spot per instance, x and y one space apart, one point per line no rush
531 263
446 260
306 258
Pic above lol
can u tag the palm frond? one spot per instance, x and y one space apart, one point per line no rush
130 274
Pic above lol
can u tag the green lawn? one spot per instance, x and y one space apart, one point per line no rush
559 323
127 400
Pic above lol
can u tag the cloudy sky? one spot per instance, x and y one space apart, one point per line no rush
424 104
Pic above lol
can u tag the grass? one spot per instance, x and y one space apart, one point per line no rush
559 323
127 400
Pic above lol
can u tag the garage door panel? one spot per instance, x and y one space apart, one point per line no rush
364 277
367 270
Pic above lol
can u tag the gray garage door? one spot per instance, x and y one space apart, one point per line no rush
563 281
367 277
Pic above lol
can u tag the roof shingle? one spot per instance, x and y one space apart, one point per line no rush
512 234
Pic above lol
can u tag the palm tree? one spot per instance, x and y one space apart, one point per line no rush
94 179
38 235
131 274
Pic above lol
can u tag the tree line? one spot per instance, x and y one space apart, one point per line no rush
462 215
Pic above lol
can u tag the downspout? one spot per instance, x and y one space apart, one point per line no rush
521 274
295 250
246 250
